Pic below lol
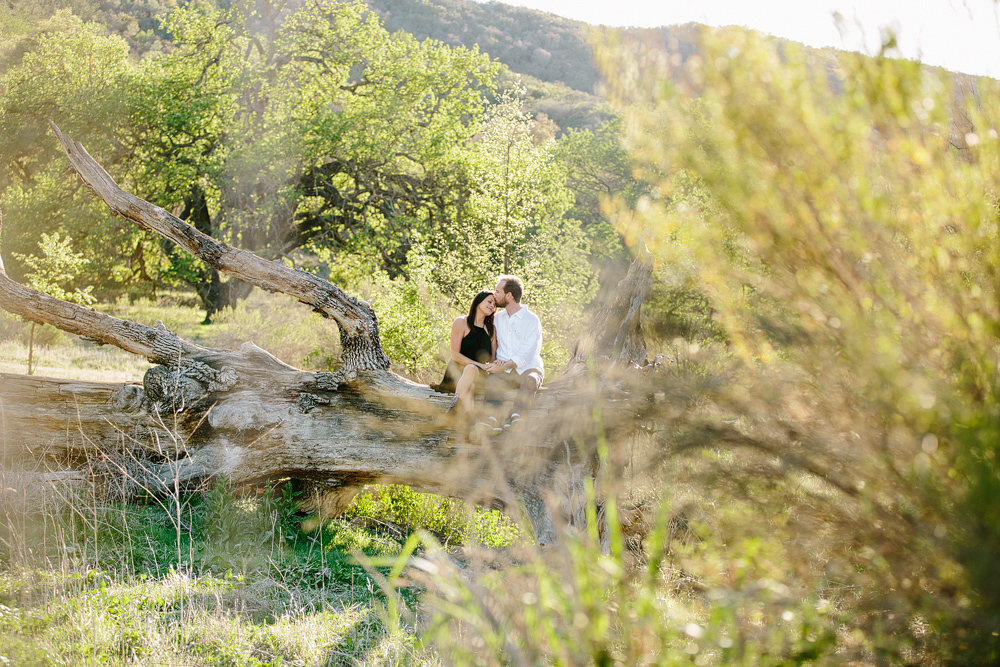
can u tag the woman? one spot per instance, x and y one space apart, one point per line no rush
473 345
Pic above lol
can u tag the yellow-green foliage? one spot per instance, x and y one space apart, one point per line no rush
412 323
841 215
452 520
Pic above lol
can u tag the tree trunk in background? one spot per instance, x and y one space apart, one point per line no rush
200 413
215 294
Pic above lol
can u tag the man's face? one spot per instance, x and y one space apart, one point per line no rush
500 296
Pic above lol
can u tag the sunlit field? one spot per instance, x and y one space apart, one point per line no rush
767 278
73 361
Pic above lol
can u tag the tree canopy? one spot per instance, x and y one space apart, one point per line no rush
279 131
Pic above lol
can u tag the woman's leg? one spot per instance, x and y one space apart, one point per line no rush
465 389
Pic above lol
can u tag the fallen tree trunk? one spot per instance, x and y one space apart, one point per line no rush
200 413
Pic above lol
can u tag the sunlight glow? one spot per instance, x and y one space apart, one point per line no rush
961 35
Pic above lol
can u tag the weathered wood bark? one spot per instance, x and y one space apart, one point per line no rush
200 413
614 337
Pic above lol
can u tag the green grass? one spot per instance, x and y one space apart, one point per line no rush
234 581
201 619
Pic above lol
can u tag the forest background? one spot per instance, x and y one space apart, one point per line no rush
816 480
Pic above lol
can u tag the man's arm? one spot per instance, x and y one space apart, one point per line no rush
529 346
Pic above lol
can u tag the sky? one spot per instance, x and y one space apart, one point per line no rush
961 35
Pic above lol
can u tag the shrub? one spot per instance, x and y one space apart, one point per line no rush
401 509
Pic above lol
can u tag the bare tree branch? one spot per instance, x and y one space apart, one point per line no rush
362 348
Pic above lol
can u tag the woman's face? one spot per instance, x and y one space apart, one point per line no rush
487 306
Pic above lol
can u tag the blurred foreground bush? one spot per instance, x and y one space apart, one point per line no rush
831 448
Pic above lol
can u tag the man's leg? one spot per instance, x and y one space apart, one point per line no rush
495 386
528 385
494 389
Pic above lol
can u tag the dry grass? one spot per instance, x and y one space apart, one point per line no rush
77 360
277 323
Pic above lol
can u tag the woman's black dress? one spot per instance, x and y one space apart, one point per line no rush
477 345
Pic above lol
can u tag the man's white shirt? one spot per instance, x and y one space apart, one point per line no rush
519 339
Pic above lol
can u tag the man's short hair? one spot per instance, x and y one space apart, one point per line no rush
513 286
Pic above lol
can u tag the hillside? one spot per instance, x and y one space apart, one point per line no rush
545 46
550 56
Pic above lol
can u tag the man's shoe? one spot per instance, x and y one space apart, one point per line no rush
484 430
514 421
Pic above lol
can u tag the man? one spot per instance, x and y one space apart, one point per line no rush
519 346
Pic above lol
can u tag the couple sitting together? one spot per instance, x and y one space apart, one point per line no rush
500 349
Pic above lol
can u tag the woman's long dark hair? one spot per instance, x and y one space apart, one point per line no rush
471 319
